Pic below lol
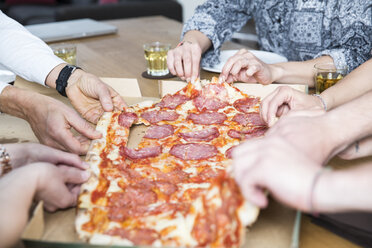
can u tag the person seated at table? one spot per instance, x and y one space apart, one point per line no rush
289 160
30 58
38 173
312 31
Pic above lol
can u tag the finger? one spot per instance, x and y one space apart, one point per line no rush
104 96
178 65
170 62
196 56
59 157
229 64
66 139
282 110
73 175
282 97
187 65
82 126
255 195
253 68
118 101
265 104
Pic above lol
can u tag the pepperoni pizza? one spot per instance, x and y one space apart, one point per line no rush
174 189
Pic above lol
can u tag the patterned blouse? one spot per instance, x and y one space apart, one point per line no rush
297 29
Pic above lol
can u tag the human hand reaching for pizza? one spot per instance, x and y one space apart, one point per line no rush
27 153
246 67
284 99
91 97
63 190
282 169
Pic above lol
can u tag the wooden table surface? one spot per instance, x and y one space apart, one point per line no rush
121 55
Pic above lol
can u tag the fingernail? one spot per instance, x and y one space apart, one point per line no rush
85 175
85 165
188 80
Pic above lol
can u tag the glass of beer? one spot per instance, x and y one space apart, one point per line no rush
156 58
327 75
67 52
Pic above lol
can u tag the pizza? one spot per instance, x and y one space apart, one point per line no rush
175 187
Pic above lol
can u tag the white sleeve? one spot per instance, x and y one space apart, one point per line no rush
23 53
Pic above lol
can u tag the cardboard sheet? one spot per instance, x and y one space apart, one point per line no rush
272 229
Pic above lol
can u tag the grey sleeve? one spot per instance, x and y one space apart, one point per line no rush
218 20
352 40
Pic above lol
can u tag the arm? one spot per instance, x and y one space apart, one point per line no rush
50 119
318 135
283 99
352 86
245 67
290 179
27 153
32 59
344 190
17 198
213 23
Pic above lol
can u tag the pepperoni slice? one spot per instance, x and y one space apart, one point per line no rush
207 118
210 104
159 132
159 115
146 152
126 119
193 151
249 119
244 105
172 101
202 135
166 187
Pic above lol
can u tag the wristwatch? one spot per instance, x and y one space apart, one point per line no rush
63 76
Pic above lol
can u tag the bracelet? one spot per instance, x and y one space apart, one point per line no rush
322 100
312 189
182 42
5 166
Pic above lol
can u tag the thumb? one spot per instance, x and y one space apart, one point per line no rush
82 126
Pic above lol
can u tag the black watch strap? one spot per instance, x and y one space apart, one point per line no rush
63 76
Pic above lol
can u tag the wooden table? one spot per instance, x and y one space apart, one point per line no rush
121 55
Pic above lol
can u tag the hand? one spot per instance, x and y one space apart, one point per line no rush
311 132
282 169
27 153
245 67
359 149
91 97
184 61
52 121
52 186
284 99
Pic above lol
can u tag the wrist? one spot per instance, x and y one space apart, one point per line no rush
277 72
15 101
53 75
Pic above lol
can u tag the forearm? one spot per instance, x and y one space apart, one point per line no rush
349 122
344 190
352 86
297 72
16 193
13 101
199 38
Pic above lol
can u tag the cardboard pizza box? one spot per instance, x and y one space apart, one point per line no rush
273 228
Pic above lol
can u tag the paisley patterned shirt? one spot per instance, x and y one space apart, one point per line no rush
297 29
